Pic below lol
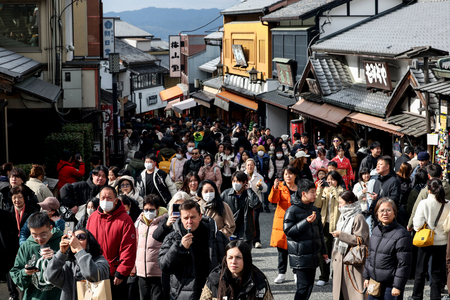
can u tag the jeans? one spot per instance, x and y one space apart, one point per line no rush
305 283
150 288
324 267
438 254
282 260
386 294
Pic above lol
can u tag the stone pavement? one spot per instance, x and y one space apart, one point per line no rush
267 260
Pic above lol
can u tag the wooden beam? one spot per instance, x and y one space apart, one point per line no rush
9 96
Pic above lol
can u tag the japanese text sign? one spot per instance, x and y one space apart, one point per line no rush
377 75
175 55
108 36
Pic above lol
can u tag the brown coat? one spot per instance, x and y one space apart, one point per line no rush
322 200
340 275
225 223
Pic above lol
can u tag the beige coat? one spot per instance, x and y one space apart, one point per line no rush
340 275
41 190
322 200
224 223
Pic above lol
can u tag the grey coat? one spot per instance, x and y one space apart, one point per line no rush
60 272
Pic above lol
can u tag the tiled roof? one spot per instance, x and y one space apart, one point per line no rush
149 69
16 65
332 74
296 10
216 35
215 82
126 30
210 66
277 99
424 23
40 89
131 55
440 87
249 6
358 98
412 124
419 76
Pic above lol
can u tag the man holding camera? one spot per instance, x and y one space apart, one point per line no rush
69 169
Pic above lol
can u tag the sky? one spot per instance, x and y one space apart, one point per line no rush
118 5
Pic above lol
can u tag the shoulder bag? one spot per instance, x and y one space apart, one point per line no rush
425 236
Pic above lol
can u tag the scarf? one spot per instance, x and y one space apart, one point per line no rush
345 224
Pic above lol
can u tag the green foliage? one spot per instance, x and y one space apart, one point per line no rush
25 167
88 134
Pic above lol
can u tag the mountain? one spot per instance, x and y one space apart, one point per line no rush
162 22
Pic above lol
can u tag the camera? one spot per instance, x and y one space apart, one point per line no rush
77 156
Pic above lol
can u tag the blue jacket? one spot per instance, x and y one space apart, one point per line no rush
25 231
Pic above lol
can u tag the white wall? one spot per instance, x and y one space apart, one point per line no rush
276 120
145 94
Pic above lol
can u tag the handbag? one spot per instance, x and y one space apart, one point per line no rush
356 256
100 290
425 236
374 288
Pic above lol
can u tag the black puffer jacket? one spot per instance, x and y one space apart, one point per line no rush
192 166
369 162
29 197
79 193
390 255
243 211
306 243
387 186
179 262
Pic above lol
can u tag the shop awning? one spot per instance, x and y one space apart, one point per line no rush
276 98
173 92
182 105
374 122
223 104
325 113
171 103
40 89
203 98
227 96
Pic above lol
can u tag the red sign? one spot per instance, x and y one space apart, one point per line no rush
107 118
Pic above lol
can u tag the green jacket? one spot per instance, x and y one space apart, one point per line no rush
35 287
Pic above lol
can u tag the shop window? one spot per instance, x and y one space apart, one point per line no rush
292 45
20 25
144 81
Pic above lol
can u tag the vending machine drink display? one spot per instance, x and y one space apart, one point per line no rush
296 127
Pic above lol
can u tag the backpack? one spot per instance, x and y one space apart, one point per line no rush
133 172
164 165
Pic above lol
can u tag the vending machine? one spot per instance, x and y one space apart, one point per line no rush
296 127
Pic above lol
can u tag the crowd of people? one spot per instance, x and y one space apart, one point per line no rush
181 218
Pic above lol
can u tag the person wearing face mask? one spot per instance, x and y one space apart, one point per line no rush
131 207
176 168
155 181
320 162
212 206
190 147
279 161
91 206
210 171
125 186
115 232
226 162
321 145
242 202
147 268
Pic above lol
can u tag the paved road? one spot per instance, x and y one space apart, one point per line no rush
267 260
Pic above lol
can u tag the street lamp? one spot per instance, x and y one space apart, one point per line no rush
219 67
140 103
253 75
114 69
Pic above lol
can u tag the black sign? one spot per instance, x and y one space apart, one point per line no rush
153 99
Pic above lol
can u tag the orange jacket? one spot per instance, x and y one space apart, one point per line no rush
282 197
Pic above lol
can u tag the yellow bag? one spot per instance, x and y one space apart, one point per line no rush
424 237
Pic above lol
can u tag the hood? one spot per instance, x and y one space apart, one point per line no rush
167 152
137 163
386 177
162 212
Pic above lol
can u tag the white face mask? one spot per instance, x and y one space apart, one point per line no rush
237 186
261 153
284 148
90 211
150 215
128 212
148 166
279 155
272 148
106 205
208 197
190 149
319 147
179 156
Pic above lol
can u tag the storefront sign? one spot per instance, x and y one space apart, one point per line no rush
284 72
377 75
153 99
107 117
108 36
239 55
175 55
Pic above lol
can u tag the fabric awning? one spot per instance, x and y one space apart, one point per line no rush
201 102
227 96
171 93
325 113
182 105
223 104
40 89
171 103
374 122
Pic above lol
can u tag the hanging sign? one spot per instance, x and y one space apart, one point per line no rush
108 36
175 55
377 75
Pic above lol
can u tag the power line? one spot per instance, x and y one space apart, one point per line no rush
201 26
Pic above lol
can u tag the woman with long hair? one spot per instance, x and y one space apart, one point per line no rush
225 163
360 188
79 258
212 206
237 277
300 163
190 184
113 176
176 168
241 165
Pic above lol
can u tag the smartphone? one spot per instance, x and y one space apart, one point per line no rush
77 156
29 268
69 226
176 209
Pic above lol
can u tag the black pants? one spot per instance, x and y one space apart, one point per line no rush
324 267
305 283
150 288
282 260
165 279
256 213
119 292
12 288
438 254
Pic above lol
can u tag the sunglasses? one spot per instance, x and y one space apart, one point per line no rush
335 140
81 237
149 210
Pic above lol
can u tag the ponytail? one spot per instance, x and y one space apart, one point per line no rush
436 188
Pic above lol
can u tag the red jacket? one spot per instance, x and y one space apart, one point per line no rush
69 173
116 235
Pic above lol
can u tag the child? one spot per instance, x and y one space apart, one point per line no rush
332 166
304 231
321 173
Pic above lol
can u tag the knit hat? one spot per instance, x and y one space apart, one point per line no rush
323 170
188 124
156 146
198 137
261 148
301 154
321 141
423 156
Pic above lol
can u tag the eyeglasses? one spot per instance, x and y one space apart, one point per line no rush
82 236
125 185
387 211
149 210
43 236
336 140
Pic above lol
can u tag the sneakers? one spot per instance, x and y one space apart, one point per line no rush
258 245
321 283
280 278
295 278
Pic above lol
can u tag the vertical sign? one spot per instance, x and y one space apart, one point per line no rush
175 55
108 36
